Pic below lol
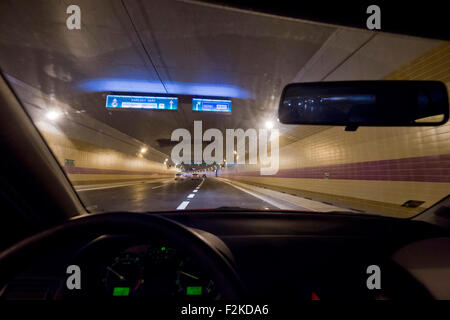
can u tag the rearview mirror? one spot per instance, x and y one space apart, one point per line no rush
365 103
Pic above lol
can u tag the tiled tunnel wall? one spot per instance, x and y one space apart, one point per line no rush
89 150
385 167
87 163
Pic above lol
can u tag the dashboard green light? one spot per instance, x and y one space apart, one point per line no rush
121 292
194 291
163 248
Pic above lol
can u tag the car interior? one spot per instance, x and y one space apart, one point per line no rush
222 250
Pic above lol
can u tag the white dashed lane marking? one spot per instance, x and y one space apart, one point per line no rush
183 205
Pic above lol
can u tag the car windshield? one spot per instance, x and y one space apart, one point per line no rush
172 105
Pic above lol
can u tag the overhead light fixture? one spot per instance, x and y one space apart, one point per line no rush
269 124
53 114
143 150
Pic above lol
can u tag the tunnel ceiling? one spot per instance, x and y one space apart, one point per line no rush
166 46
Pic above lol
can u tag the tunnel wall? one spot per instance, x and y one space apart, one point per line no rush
383 165
89 150
88 163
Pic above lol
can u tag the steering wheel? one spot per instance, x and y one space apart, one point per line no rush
142 225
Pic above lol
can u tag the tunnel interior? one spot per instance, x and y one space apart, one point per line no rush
122 159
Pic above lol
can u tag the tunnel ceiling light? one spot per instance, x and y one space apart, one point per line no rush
53 114
269 124
143 150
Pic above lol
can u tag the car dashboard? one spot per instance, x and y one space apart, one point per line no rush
277 255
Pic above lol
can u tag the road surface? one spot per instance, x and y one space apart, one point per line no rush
169 195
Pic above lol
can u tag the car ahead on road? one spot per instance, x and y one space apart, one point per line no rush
204 175
179 176
195 176
352 203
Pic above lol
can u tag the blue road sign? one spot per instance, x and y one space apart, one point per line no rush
212 105
141 102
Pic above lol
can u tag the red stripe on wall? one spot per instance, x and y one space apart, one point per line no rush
420 169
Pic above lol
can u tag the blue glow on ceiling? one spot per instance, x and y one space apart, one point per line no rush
141 86
121 85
